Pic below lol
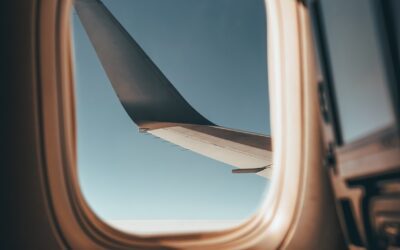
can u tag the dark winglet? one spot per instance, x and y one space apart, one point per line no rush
146 94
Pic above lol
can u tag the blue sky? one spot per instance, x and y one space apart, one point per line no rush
214 53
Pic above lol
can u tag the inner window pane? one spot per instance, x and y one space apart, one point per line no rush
358 68
214 54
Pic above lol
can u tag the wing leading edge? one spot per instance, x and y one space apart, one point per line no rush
156 106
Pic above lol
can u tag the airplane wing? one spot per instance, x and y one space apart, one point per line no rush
154 104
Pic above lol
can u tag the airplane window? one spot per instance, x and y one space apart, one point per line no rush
172 112
358 68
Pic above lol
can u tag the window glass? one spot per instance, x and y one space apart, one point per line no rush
357 65
214 53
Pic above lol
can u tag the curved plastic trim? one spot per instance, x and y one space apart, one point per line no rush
297 213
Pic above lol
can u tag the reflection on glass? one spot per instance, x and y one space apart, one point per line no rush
174 175
357 67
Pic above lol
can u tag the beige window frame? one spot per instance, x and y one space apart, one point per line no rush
298 212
